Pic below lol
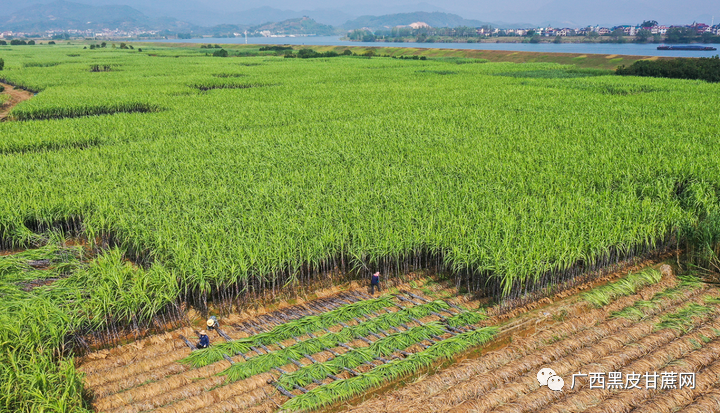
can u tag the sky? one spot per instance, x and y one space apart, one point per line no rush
569 13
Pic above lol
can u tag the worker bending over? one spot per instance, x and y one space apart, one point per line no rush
212 323
204 340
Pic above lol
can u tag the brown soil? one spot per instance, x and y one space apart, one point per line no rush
17 95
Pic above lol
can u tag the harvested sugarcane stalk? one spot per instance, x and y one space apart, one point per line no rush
415 296
226 357
343 345
309 357
334 353
255 349
375 335
189 344
396 329
365 339
282 390
407 300
223 335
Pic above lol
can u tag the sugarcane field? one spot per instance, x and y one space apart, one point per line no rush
353 230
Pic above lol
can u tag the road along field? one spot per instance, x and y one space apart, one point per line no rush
196 182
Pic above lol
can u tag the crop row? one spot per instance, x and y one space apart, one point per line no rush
565 340
485 394
296 328
345 389
275 359
380 324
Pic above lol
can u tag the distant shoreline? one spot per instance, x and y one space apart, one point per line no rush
581 60
577 48
511 39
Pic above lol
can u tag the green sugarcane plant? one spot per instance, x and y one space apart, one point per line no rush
682 319
262 192
382 347
466 318
341 390
363 355
601 296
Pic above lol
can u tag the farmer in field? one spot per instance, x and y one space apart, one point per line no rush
212 323
374 282
204 340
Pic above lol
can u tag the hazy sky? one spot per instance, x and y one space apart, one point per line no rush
571 12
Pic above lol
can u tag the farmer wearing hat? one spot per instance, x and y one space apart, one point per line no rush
212 323
374 282
204 340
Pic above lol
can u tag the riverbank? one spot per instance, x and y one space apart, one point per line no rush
581 60
624 49
595 61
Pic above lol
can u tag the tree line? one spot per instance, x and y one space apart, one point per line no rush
17 42
704 68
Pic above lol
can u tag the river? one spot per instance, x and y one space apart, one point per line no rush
634 49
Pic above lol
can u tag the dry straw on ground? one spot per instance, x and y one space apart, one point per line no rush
159 390
143 367
154 346
709 402
650 355
416 397
577 353
668 401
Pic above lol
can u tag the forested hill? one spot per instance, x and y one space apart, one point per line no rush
303 25
435 19
64 15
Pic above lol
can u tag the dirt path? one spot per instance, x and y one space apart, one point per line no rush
17 95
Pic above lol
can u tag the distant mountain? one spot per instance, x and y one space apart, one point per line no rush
434 19
64 15
302 25
255 16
